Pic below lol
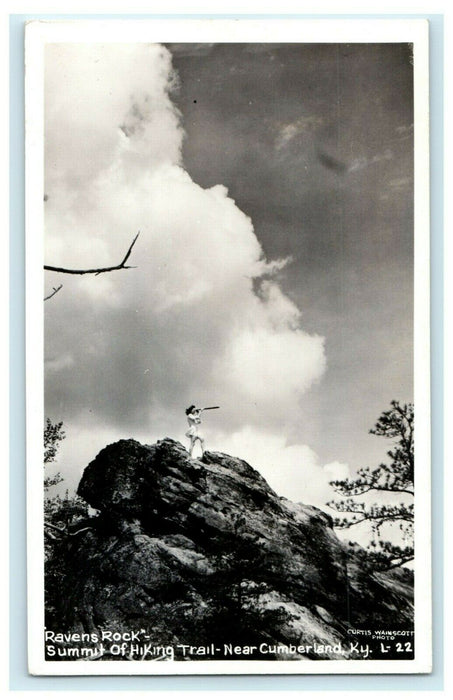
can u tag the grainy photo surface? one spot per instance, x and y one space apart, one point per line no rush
228 386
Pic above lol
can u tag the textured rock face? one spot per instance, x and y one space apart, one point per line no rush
205 550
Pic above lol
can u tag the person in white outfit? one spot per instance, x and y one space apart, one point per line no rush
193 417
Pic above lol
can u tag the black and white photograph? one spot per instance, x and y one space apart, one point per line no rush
228 348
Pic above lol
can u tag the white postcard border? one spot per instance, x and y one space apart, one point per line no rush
38 33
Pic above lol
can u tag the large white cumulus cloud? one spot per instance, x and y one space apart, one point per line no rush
202 318
92 90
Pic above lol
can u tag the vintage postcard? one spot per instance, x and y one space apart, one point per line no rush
228 347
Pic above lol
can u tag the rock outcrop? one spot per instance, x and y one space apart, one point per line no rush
197 551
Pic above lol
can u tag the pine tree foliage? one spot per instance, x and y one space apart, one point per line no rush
61 515
53 435
397 425
59 512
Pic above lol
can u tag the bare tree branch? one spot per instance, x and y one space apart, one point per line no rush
399 563
97 270
55 290
63 531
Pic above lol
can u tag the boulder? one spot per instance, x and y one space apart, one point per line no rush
204 549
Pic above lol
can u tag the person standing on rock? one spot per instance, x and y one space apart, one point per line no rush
194 419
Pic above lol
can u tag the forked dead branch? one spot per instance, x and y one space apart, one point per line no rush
91 271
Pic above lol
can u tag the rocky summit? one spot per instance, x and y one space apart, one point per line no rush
202 553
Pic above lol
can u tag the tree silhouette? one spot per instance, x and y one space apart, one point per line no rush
396 424
53 435
63 518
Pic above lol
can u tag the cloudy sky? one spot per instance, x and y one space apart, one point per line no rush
272 188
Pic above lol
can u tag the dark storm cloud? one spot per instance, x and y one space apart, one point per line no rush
184 50
315 143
